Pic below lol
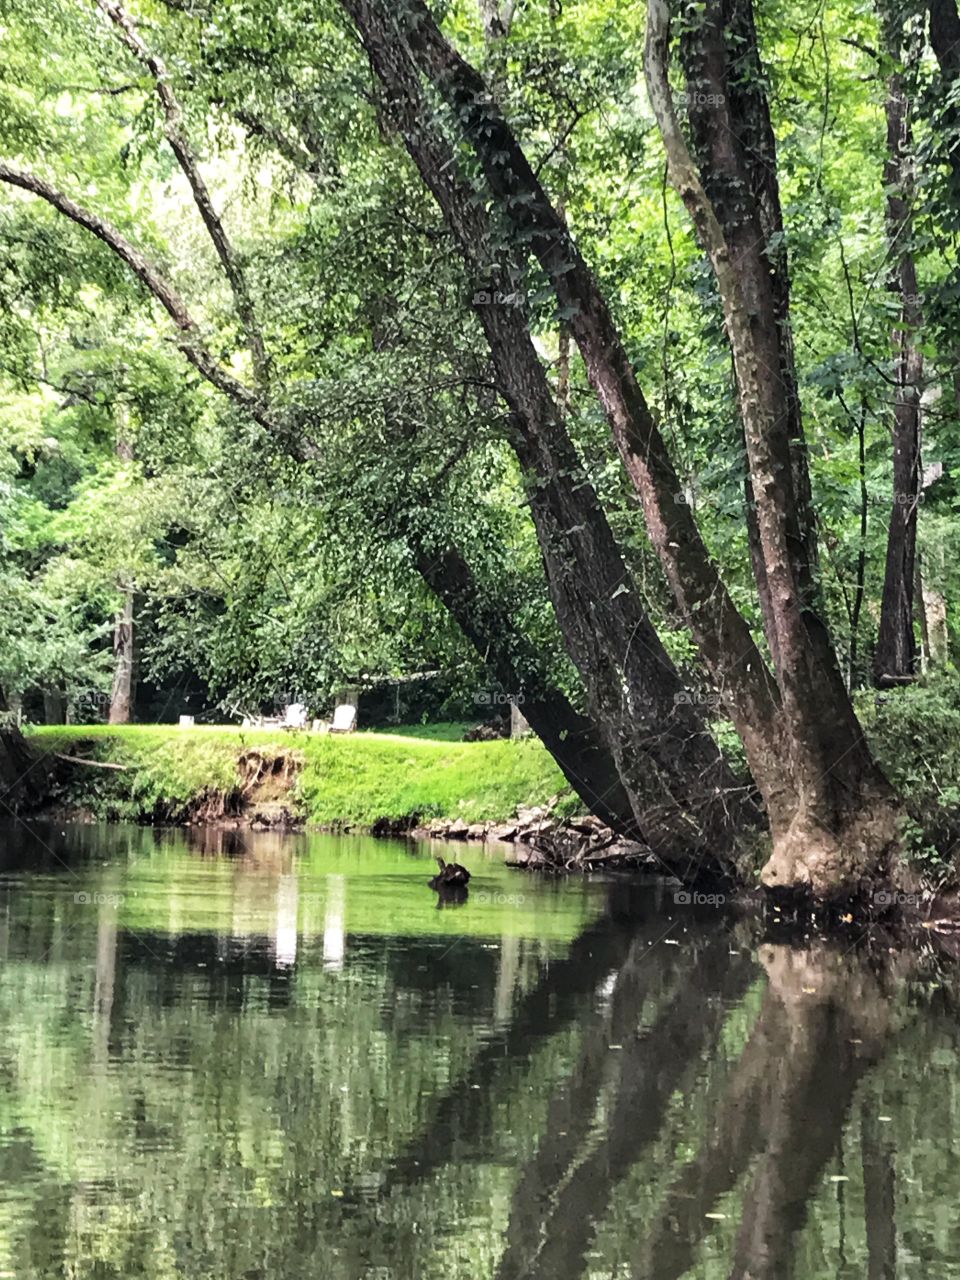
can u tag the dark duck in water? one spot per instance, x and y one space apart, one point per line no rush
449 875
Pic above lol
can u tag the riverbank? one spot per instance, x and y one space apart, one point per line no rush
164 774
427 783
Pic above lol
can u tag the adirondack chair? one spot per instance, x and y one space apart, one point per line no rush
344 719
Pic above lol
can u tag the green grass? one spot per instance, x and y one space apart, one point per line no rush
366 776
355 779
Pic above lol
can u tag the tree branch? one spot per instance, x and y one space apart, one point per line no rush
175 135
189 340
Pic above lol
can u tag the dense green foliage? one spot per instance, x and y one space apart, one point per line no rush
271 541
269 581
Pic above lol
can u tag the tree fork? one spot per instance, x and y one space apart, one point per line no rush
834 820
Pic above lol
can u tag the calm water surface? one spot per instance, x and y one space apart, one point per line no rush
254 1058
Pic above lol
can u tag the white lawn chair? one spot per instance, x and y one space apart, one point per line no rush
344 719
295 716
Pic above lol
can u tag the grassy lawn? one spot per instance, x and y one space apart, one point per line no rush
355 778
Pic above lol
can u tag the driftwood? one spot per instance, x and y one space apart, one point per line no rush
94 764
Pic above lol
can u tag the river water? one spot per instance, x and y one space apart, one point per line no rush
246 1057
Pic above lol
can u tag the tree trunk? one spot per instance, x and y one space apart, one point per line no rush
934 610
895 658
724 639
54 706
22 773
571 738
655 733
123 692
830 809
836 820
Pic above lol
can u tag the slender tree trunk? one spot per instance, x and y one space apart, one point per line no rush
54 706
895 658
123 693
570 737
124 682
860 586
934 611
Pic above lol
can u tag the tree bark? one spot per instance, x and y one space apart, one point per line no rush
124 683
829 807
840 820
722 635
653 730
895 658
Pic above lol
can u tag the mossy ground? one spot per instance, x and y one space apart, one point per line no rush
356 778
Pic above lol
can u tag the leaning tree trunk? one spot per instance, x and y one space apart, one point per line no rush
571 738
656 734
895 658
830 809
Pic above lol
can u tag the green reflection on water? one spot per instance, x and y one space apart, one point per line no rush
297 885
252 1057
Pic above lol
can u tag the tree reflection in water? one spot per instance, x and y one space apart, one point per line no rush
281 1060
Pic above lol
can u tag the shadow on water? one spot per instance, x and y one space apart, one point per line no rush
246 1058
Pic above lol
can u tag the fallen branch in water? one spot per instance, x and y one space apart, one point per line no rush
94 764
